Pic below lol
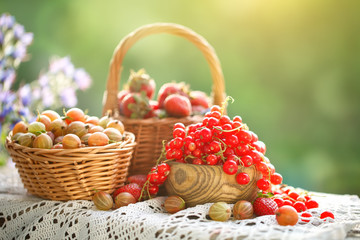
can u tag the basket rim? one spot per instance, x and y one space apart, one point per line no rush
158 120
128 142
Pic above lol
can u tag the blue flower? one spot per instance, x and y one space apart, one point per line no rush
25 94
19 51
1 37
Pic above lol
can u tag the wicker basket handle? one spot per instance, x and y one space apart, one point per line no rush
110 95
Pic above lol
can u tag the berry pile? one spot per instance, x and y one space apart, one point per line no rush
219 140
136 99
73 130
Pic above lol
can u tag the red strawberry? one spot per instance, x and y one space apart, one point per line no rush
132 188
264 206
199 98
135 105
139 179
141 82
177 106
171 88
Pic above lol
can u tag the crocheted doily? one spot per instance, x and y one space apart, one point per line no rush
23 216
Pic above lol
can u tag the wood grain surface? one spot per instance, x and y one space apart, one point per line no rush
199 184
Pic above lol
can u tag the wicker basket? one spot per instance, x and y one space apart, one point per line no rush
69 174
150 133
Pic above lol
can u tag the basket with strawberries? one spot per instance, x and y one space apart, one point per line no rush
151 120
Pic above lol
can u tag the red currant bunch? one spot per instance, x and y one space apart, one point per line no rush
220 140
155 178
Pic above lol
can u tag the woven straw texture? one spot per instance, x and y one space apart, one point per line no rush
150 133
70 174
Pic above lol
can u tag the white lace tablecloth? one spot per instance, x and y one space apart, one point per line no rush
23 216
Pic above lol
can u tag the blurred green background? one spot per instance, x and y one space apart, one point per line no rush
291 66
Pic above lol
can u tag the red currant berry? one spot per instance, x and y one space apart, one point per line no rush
262 167
197 153
279 201
163 169
215 115
197 161
169 154
244 136
153 178
224 120
242 178
205 135
177 153
214 146
276 179
311 204
299 206
263 184
206 119
254 137
230 167
305 217
191 146
212 121
288 202
293 194
162 179
327 214
233 158
259 146
232 141
179 125
179 132
228 151
206 149
256 156
246 160
177 142
211 159
153 189
237 119
236 125
242 149
215 108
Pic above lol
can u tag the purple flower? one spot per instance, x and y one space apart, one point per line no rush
61 64
18 31
43 80
19 51
6 21
68 97
82 79
47 97
25 95
7 77
27 38
1 37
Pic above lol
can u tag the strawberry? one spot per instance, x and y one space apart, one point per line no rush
264 206
177 106
199 98
132 188
139 179
171 88
135 105
141 82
